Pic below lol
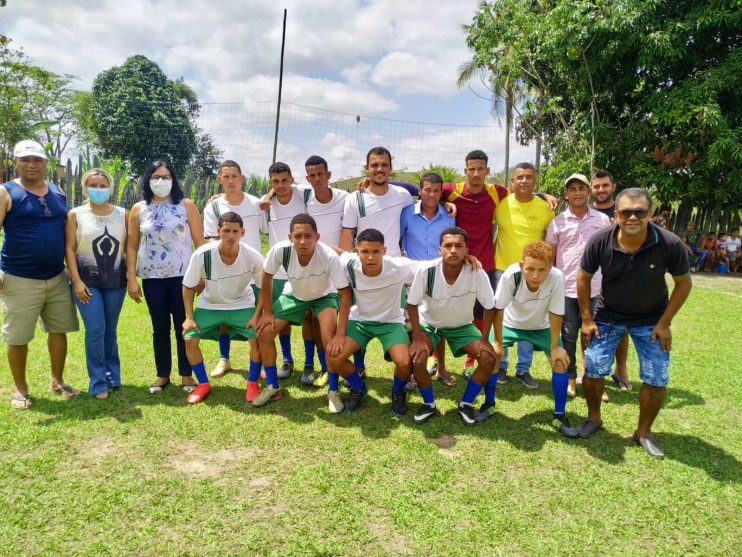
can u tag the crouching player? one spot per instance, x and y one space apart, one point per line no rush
440 305
377 282
529 305
226 267
316 282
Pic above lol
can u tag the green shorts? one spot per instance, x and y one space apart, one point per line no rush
457 337
210 320
291 309
540 338
389 334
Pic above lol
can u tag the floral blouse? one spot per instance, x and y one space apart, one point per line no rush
165 245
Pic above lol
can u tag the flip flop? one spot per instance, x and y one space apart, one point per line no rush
64 390
448 380
154 388
621 384
20 402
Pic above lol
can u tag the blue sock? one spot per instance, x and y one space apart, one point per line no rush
427 395
285 341
355 380
199 370
308 353
559 383
332 380
253 373
358 359
490 388
271 376
321 358
471 392
224 344
398 384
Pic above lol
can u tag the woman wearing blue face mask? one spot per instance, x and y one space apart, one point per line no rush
95 237
162 231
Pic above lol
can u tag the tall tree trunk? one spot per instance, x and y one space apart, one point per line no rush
538 153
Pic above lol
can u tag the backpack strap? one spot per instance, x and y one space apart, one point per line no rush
286 258
518 278
215 208
361 204
207 264
351 272
430 282
307 197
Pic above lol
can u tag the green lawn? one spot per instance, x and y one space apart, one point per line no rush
139 474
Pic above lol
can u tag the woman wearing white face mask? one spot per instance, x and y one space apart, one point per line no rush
162 231
95 237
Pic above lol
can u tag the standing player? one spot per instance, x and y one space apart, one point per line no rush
377 281
315 281
247 207
529 304
227 267
440 305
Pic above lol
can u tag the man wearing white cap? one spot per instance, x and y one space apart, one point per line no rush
33 280
568 234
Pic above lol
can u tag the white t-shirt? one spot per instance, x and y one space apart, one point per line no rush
248 209
382 212
525 309
733 244
323 274
227 286
329 216
378 299
277 219
449 305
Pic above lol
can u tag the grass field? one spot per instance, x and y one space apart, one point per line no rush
139 474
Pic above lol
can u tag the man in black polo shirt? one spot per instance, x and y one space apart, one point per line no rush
633 256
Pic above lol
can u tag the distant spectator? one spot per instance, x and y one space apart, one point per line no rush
662 219
712 248
733 251
694 244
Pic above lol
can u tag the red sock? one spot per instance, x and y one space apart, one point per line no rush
252 391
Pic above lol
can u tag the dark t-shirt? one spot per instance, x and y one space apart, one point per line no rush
634 291
610 212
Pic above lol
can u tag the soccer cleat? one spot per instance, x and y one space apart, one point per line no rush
399 403
321 379
198 393
221 368
424 413
486 411
355 398
252 391
307 376
502 377
335 402
268 394
527 380
284 372
468 416
564 427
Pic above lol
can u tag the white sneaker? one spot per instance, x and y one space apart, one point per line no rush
335 402
267 395
221 368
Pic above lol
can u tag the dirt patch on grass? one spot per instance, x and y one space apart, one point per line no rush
95 450
382 530
445 444
195 461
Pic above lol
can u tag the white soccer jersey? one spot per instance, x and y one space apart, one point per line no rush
227 286
321 276
278 219
444 305
248 209
378 299
329 216
525 309
382 212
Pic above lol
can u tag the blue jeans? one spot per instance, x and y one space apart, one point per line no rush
101 316
525 358
653 361
700 257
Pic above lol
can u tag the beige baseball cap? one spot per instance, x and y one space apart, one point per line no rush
577 177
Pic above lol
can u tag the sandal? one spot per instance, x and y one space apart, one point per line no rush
189 388
64 390
621 384
447 379
156 387
19 401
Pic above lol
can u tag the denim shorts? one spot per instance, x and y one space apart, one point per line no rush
653 362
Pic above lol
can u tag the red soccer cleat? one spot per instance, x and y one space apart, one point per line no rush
253 390
199 393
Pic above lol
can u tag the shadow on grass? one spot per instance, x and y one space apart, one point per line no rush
697 453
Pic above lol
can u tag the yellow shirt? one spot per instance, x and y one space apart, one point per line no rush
519 224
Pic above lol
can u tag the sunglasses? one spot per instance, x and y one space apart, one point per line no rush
47 210
638 213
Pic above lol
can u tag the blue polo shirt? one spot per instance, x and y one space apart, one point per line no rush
420 236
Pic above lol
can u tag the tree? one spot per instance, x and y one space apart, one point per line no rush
138 115
651 90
